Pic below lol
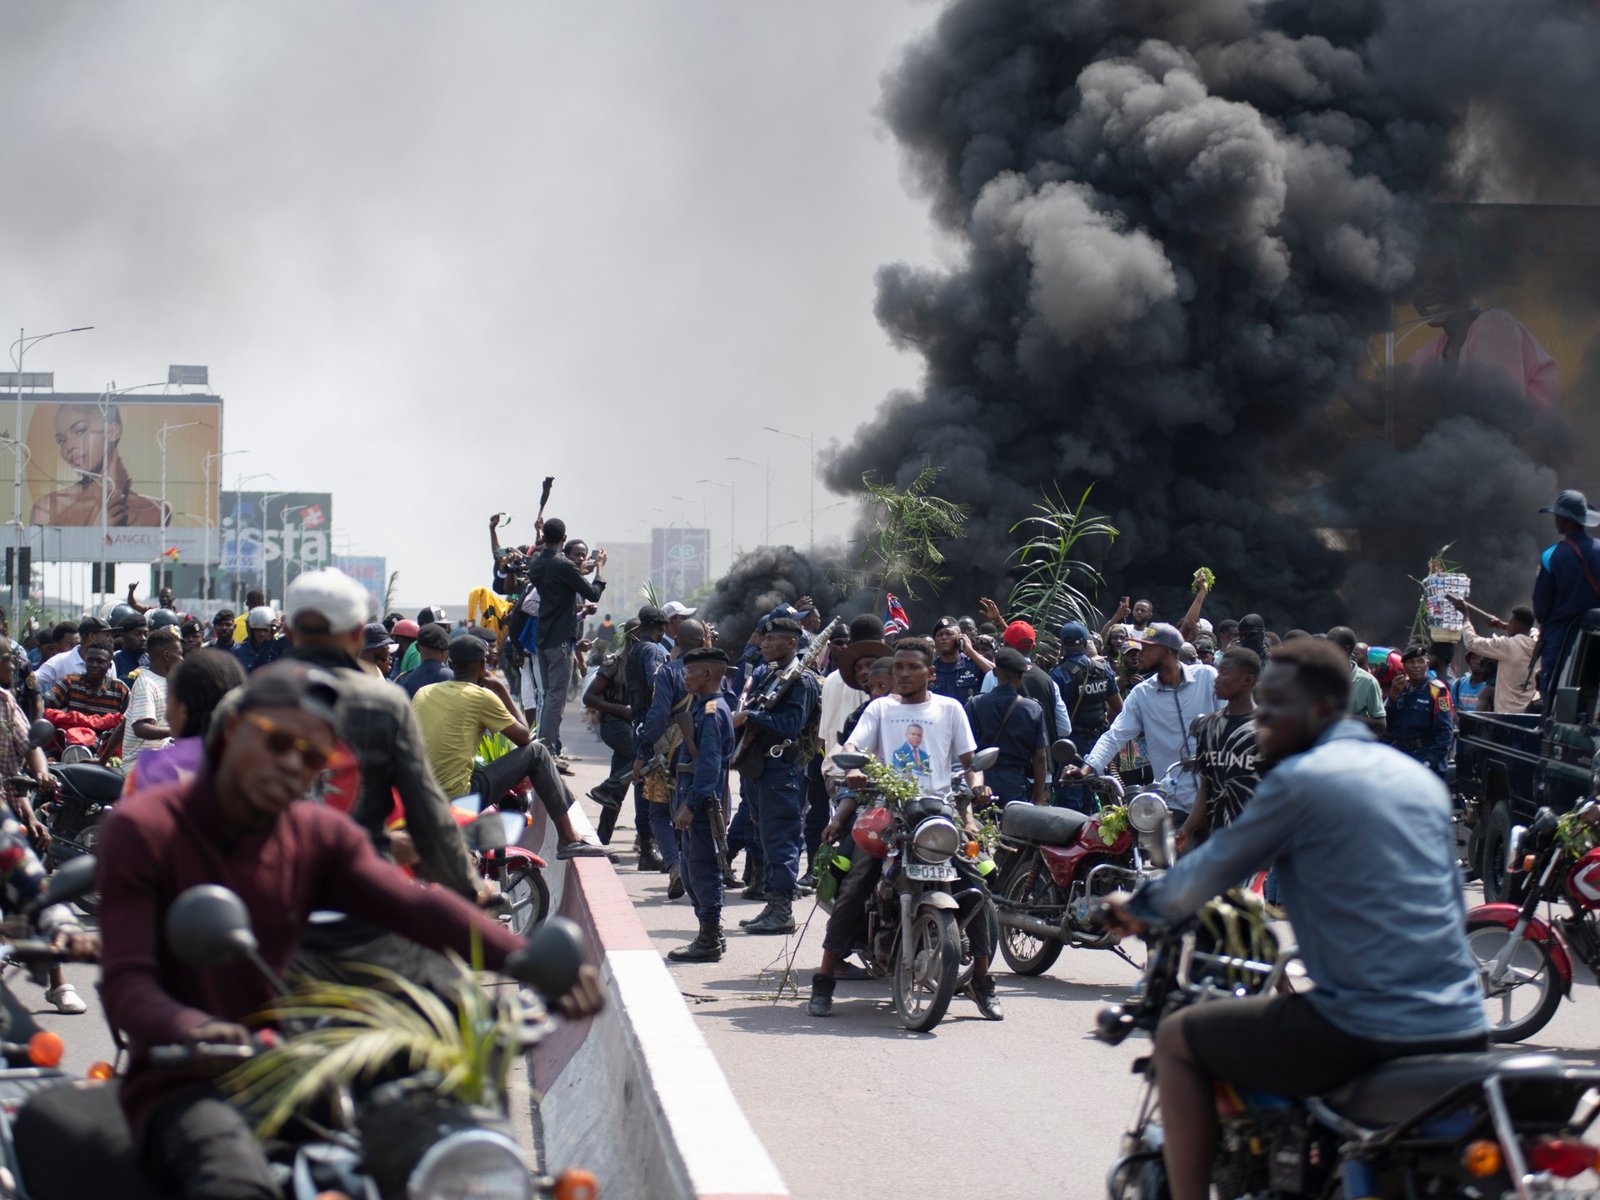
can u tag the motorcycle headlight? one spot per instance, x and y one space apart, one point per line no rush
474 1164
1146 811
935 840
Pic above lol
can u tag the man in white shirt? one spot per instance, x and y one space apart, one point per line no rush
92 631
1515 685
923 735
147 706
1161 709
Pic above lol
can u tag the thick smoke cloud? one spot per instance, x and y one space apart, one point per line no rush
762 579
1182 223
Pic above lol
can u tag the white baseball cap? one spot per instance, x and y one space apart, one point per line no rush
677 608
332 595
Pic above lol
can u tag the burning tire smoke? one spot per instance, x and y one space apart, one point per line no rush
1182 223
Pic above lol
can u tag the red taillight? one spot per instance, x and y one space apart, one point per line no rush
1561 1157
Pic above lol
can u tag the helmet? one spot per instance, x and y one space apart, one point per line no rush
163 616
869 829
119 614
260 617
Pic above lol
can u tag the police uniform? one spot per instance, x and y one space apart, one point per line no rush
779 790
1421 722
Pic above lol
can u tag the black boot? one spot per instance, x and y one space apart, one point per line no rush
707 947
779 918
674 883
821 996
649 860
760 916
607 824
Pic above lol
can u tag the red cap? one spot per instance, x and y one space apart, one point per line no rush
1019 635
407 628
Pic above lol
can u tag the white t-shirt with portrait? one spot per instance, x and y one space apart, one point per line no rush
924 741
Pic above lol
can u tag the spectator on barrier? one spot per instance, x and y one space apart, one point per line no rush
433 647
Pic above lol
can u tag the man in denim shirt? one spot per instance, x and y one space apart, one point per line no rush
1361 835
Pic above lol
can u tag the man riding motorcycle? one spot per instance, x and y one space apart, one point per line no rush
944 737
1362 838
238 823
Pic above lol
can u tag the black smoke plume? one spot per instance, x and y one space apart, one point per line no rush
1182 221
764 578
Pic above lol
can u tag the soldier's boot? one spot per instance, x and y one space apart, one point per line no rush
707 947
760 916
649 860
779 918
675 886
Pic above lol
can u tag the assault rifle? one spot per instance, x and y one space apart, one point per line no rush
776 687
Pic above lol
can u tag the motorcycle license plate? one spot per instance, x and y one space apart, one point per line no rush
943 873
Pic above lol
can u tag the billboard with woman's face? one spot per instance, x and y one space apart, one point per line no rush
90 463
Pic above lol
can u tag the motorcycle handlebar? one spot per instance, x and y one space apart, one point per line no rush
194 1054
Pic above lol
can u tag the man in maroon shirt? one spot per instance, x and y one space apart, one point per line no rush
242 823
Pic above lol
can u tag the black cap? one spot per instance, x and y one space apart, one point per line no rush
706 654
290 684
784 625
93 625
1413 651
434 637
649 614
374 636
1007 659
464 648
134 621
946 623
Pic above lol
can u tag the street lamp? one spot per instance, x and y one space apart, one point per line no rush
767 468
205 580
238 500
283 571
166 517
733 494
810 440
19 348
266 588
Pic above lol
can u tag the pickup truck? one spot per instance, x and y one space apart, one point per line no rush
1508 766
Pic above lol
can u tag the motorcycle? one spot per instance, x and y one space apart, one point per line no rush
916 918
1525 961
516 870
1055 863
391 1135
1462 1125
84 793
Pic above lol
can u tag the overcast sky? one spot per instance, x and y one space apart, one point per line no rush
433 252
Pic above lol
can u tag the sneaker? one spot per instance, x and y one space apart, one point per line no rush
581 849
563 765
981 992
66 999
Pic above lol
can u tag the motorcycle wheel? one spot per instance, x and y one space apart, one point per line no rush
529 897
1523 1002
87 838
1141 1175
1026 953
988 917
925 971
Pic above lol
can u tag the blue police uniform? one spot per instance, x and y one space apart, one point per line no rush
669 693
699 783
779 793
1563 592
1421 723
959 680
1018 732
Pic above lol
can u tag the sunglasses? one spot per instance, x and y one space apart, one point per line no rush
280 741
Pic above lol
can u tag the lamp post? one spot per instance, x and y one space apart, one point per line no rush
765 467
238 500
733 494
19 349
810 440
266 589
205 579
166 516
283 571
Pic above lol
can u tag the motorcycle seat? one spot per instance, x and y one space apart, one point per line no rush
1049 826
91 781
72 1138
1401 1088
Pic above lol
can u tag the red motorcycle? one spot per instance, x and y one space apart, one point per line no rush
518 871
1055 864
1525 961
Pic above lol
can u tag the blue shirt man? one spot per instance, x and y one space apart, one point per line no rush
1014 723
1568 583
1421 721
700 772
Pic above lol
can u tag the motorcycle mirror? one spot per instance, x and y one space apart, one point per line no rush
512 826
471 802
486 833
1165 851
850 762
74 879
549 962
1063 753
41 734
984 759
209 926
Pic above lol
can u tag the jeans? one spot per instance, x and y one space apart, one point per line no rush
509 668
555 669
200 1145
495 779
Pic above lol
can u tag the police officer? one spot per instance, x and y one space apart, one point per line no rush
1568 583
1420 719
1005 718
700 774
1089 690
780 747
642 659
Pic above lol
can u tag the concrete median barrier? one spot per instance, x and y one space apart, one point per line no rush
636 1095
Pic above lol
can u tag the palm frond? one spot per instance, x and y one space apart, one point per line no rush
354 1032
909 525
1056 583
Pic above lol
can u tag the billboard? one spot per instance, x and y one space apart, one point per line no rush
93 462
371 571
678 561
265 539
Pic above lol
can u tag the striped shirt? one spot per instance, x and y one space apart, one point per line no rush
73 694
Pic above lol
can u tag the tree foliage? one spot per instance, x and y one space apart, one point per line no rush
1056 583
909 526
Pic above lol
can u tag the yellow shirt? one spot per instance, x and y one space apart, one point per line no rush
452 716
